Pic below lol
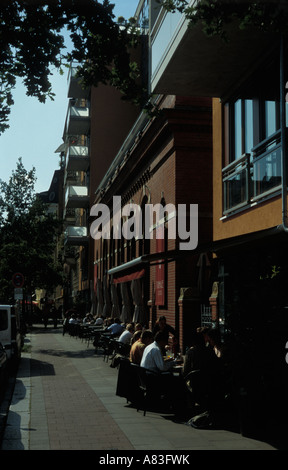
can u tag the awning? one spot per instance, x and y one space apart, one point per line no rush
129 277
129 265
61 148
129 271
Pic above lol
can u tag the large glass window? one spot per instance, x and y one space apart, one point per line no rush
242 132
252 167
249 135
237 130
271 118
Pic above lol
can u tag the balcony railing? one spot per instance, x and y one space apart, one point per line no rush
253 177
164 32
75 89
78 117
77 158
267 166
76 236
236 177
76 197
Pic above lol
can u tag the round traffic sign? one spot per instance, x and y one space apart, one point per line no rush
18 280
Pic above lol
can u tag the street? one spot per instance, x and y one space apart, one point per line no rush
64 399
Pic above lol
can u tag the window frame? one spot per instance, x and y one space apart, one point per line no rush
231 165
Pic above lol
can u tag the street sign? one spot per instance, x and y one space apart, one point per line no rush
18 293
18 280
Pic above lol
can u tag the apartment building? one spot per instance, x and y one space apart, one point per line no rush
247 79
143 275
96 124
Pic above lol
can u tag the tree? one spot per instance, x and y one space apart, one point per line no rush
28 236
32 45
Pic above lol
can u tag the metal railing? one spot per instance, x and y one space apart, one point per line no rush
253 176
236 183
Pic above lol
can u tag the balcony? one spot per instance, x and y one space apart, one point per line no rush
69 216
76 197
78 118
77 158
185 61
253 178
75 89
76 236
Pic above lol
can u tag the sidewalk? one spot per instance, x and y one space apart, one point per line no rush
64 399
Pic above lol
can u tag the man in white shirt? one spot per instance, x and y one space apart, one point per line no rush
164 384
152 358
126 336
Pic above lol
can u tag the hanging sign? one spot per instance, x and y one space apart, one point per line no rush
160 269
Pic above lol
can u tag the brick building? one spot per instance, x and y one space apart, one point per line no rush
165 162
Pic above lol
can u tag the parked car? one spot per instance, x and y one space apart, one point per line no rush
10 332
3 368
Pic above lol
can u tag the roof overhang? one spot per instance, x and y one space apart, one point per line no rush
218 247
208 66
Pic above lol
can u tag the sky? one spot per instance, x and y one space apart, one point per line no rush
36 129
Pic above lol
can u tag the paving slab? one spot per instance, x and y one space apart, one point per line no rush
64 399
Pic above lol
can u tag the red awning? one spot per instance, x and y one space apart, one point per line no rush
129 277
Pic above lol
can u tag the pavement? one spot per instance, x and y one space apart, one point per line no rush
64 399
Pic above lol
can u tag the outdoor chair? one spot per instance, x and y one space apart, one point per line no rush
96 340
196 387
122 348
108 346
127 381
152 391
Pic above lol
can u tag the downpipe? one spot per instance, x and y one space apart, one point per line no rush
284 225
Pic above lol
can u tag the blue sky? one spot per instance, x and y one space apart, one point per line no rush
36 129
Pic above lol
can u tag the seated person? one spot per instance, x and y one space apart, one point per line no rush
144 339
152 358
99 320
127 335
116 328
87 319
166 384
73 320
198 356
136 336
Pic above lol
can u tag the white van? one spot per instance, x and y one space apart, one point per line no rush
10 333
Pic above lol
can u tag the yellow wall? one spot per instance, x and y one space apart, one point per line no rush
265 215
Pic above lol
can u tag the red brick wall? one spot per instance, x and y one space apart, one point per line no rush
180 168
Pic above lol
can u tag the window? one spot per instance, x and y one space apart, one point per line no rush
144 243
271 118
3 320
239 117
252 157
